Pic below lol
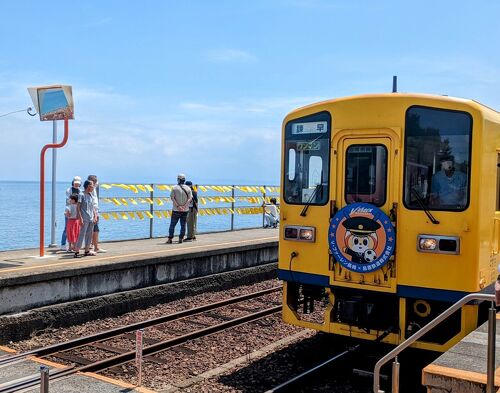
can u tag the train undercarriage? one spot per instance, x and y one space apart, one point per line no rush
367 315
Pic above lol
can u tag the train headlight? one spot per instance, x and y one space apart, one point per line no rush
438 244
427 244
299 233
306 234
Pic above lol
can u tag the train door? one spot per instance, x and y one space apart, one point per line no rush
495 244
365 171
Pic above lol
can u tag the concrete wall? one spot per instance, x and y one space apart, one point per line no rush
36 290
21 326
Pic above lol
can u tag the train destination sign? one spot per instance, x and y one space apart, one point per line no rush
314 127
361 237
315 145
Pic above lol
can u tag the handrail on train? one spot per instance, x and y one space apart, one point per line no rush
490 372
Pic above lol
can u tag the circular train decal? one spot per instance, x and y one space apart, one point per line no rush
361 237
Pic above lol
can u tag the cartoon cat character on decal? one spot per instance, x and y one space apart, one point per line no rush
361 239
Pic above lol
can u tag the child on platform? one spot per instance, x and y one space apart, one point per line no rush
73 228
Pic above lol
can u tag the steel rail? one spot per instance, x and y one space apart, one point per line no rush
161 346
285 386
147 351
81 341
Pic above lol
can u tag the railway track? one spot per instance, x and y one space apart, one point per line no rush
292 383
122 356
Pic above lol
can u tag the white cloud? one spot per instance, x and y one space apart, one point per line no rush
274 105
208 108
225 142
282 103
90 95
230 56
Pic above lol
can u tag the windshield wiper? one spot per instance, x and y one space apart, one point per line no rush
309 201
421 203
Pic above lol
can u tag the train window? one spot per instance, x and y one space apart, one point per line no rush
366 174
291 164
307 160
437 159
315 169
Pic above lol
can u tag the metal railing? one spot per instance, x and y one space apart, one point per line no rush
233 204
490 372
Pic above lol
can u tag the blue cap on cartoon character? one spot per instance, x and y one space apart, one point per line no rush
361 239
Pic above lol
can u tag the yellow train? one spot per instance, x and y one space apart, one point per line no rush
390 211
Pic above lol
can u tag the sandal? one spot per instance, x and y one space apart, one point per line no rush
89 253
77 255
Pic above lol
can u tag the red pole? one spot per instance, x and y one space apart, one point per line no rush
42 183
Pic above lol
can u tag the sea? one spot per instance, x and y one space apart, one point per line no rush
20 214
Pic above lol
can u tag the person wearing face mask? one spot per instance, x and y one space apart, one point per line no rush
95 196
448 186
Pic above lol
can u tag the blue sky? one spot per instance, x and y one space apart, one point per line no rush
201 87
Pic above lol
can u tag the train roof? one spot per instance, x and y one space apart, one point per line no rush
472 103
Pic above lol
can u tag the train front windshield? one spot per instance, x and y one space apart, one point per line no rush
307 160
437 159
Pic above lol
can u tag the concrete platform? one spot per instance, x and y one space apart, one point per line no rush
27 281
78 383
85 383
463 368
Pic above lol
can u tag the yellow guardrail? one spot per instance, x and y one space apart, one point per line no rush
136 188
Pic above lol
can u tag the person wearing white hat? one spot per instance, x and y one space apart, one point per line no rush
74 189
181 196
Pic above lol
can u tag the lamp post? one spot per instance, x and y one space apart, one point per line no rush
54 172
52 103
